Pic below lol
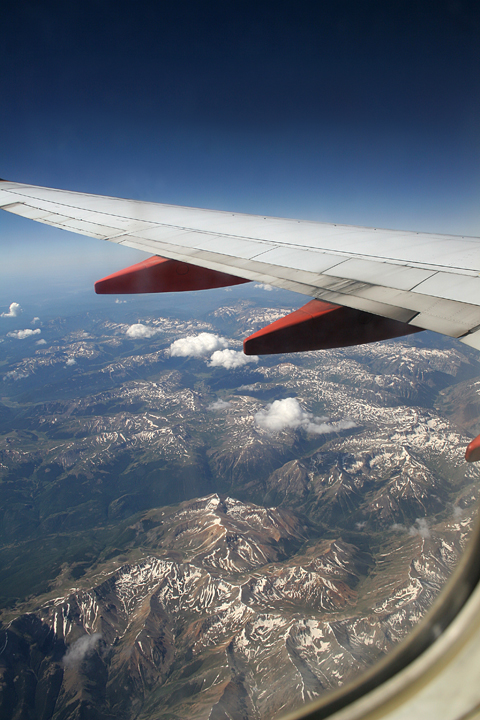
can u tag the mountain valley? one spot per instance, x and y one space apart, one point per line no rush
184 539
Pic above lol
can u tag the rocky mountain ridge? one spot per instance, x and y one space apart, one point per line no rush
299 554
235 611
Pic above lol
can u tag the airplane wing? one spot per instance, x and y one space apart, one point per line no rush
427 281
424 280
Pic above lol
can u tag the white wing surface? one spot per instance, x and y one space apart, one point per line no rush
430 281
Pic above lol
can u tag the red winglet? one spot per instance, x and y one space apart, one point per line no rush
472 453
160 275
319 326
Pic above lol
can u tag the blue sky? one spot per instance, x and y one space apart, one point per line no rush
356 112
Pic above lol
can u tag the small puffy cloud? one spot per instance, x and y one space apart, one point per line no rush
41 342
263 286
218 405
457 512
231 359
282 414
420 528
80 649
360 525
288 413
197 345
35 320
398 527
71 361
120 302
22 334
13 311
141 331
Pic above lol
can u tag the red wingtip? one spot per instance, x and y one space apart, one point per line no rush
472 453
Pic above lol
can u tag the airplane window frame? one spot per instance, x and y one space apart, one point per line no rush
446 608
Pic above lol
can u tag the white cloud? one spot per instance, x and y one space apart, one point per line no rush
197 345
41 342
398 527
13 311
457 512
22 334
71 361
231 359
141 331
263 286
281 414
218 405
35 320
288 413
420 528
120 302
80 649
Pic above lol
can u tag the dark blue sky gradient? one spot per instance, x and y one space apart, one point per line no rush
356 112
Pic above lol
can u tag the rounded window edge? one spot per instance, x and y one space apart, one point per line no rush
446 608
